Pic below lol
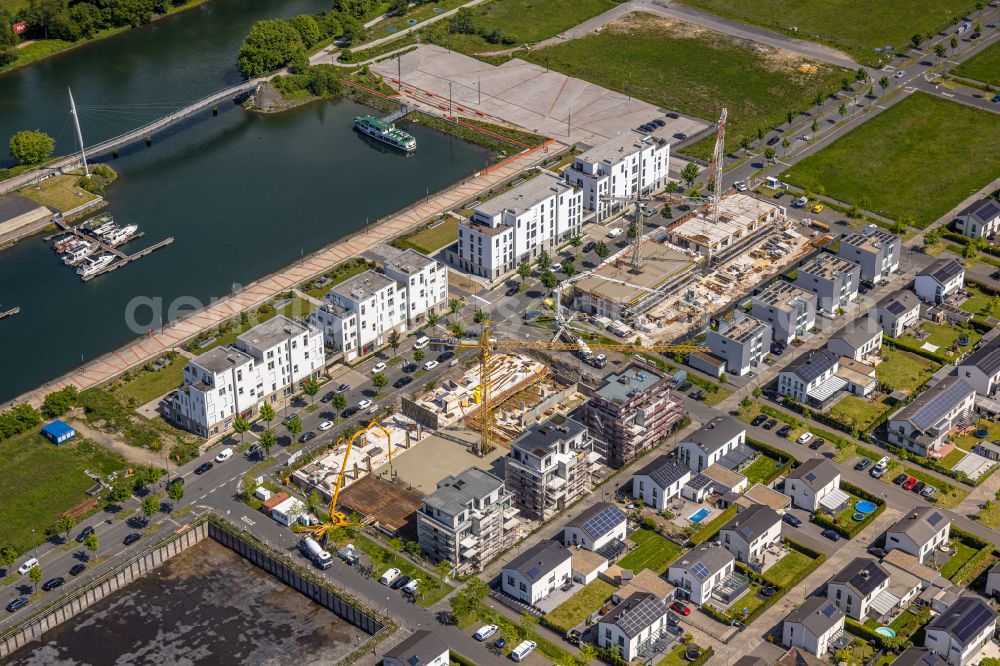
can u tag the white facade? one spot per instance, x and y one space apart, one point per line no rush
357 314
980 219
812 626
520 224
584 534
939 281
633 624
621 167
806 373
658 483
752 531
708 444
424 281
811 482
288 511
266 363
960 632
743 344
919 532
717 561
546 568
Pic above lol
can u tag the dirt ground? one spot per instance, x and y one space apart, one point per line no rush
130 453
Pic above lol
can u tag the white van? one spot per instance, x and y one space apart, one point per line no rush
616 232
28 565
389 576
421 342
410 588
523 650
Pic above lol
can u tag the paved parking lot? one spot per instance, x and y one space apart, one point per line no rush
529 95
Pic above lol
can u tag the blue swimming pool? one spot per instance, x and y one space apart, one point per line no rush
699 515
865 506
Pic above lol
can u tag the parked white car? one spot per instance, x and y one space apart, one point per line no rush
224 455
326 425
521 652
804 438
616 232
377 368
430 365
365 404
485 632
389 576
421 342
27 566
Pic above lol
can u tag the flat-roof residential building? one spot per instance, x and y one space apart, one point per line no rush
860 339
725 480
708 444
698 572
897 312
959 633
855 588
813 626
467 521
424 281
743 221
980 219
266 364
923 425
645 581
803 378
519 224
758 493
743 344
750 532
939 280
537 572
918 656
548 467
588 566
421 648
875 250
812 482
981 368
834 280
596 527
659 482
620 167
357 314
633 410
790 310
919 532
633 624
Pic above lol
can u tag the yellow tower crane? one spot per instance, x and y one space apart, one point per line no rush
487 345
337 518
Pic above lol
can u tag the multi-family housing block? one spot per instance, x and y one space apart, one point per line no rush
876 251
743 344
834 280
790 310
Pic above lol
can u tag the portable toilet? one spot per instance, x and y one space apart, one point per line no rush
773 182
58 432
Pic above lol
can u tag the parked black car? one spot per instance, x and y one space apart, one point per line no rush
17 604
83 533
306 436
349 412
791 520
202 468
343 388
402 381
817 443
919 487
770 424
513 291
863 464
784 431
773 140
832 535
328 396
684 386
589 247
132 538
400 582
696 394
758 420
77 569
53 583
445 356
900 478
410 367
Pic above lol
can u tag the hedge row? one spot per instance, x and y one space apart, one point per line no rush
852 529
705 655
710 530
456 658
869 635
772 451
971 569
895 343
612 657
967 538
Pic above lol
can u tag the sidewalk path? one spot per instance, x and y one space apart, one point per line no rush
253 295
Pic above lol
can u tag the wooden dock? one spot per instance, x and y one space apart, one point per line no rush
10 313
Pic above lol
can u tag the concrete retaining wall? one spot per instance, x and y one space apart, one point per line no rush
83 599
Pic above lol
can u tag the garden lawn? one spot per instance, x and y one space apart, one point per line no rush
39 480
693 71
969 441
903 370
907 623
854 26
429 240
953 458
858 413
151 385
912 159
985 66
749 601
948 494
654 552
962 555
787 568
944 336
979 302
578 608
761 470
989 515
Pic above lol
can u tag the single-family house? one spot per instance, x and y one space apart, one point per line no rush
535 573
813 626
918 656
939 280
750 532
596 527
815 483
421 648
993 581
710 443
803 378
897 312
633 624
920 531
923 425
959 633
659 482
855 588
858 340
981 368
980 219
698 572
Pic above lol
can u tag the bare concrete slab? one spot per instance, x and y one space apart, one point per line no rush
434 458
527 95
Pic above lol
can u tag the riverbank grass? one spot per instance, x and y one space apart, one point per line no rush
694 71
61 193
39 480
902 171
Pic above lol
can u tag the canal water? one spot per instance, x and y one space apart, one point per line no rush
206 606
243 194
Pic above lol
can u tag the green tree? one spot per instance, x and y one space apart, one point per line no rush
818 100
294 426
379 381
917 40
443 569
457 329
393 340
268 439
8 555
91 542
378 558
338 401
789 116
601 250
940 51
270 45
549 280
672 187
399 7
120 491
418 355
815 126
666 212
524 269
576 241
842 110
479 316
31 146
569 268
760 133
150 505
745 144
396 543
64 524
175 491
310 387
861 74
770 153
883 83
241 425
455 305
35 573
267 413
543 261
307 28
432 318
59 402
690 173
784 145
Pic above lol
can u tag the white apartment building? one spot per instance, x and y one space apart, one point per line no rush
467 521
596 527
537 215
710 443
940 280
424 281
266 363
620 167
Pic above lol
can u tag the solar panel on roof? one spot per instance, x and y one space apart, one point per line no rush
934 518
939 405
815 364
829 610
635 619
604 521
973 621
700 571
533 572
810 477
413 660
